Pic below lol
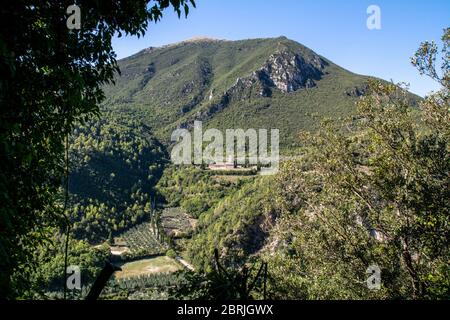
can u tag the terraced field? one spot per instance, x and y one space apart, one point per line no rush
176 222
139 241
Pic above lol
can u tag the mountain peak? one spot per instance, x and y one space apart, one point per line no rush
196 39
202 39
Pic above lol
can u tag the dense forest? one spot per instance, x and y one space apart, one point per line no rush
116 163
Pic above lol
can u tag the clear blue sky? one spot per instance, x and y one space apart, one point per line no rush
335 29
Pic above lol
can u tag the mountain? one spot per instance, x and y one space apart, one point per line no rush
258 83
121 175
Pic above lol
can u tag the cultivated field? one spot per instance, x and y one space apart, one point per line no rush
138 241
156 265
177 222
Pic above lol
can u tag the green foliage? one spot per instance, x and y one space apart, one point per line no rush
244 282
171 253
116 162
372 190
48 277
51 77
194 189
238 225
375 196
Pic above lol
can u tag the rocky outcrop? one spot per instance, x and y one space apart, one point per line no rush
285 70
290 72
356 92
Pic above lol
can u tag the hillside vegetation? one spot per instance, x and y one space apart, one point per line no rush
260 83
116 162
364 187
194 189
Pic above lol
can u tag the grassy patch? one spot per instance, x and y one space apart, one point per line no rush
156 265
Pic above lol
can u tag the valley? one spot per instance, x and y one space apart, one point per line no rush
260 83
162 222
188 211
137 165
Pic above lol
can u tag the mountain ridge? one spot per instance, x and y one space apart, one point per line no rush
253 83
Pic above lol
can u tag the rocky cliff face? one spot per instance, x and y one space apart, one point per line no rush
284 70
290 72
